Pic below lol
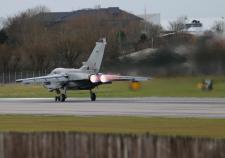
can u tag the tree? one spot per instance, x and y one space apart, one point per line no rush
35 45
68 50
178 25
219 27
165 57
209 55
5 57
3 36
28 40
152 30
19 26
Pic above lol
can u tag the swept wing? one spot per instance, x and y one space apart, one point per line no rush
44 79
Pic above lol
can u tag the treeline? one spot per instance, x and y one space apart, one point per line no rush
203 56
27 42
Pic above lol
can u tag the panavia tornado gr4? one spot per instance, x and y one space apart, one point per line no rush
85 78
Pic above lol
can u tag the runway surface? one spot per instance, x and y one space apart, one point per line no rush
153 106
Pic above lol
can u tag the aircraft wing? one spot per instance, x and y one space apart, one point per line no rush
44 79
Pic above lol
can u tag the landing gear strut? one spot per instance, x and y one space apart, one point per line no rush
60 96
92 96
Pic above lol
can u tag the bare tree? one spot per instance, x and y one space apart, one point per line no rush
31 44
178 25
36 10
5 56
67 51
219 26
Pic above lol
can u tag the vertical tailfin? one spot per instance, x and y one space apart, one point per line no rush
94 61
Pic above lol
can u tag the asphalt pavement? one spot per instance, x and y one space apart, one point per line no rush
151 106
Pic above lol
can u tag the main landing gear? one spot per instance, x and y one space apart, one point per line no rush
60 95
92 96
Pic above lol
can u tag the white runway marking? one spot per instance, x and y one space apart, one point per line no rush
152 106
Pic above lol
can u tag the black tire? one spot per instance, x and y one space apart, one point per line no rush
57 98
93 97
62 97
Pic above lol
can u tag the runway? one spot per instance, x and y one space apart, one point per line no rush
152 106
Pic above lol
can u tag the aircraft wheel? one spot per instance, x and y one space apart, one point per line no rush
57 98
93 97
62 97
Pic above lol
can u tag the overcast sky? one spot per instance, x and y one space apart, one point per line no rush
169 9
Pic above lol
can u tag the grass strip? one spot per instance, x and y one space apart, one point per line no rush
161 87
197 127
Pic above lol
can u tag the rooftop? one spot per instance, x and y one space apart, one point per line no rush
55 17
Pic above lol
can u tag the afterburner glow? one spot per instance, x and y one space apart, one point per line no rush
94 78
104 79
108 78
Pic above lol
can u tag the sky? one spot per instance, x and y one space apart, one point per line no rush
169 9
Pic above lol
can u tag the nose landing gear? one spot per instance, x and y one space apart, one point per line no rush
92 96
60 96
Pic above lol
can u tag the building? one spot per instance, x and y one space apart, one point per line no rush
111 14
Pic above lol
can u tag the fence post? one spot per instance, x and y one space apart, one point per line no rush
3 77
9 81
15 76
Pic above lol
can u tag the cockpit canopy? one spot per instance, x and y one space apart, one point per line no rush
57 71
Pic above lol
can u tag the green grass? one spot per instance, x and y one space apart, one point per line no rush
211 128
162 87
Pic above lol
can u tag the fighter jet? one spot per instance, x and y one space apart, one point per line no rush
86 77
